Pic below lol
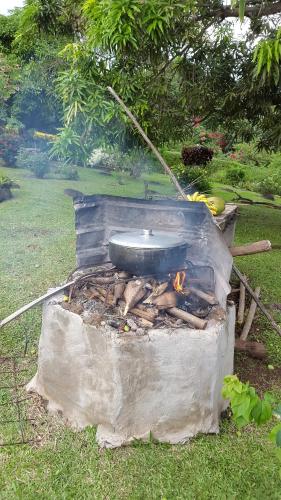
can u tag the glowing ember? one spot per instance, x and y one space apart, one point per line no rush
179 281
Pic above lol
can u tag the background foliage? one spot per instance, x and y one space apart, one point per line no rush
170 61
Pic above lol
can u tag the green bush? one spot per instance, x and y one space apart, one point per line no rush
9 147
36 161
235 176
197 178
66 172
269 185
172 157
6 182
275 161
224 162
248 154
135 161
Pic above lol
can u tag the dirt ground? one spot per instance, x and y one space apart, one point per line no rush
257 373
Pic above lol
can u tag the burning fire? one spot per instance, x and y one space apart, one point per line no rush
179 281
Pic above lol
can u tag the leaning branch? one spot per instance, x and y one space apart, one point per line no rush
254 10
251 11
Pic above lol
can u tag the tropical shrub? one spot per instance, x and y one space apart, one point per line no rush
248 154
196 179
9 147
225 162
269 185
172 157
102 159
196 155
6 182
66 172
275 161
134 162
36 161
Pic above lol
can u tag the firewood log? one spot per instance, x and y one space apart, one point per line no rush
166 300
257 247
139 311
156 292
250 317
189 318
241 307
119 288
210 299
133 293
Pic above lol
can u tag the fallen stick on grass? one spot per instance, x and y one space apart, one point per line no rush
251 248
273 323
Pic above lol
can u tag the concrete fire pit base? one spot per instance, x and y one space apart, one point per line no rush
165 383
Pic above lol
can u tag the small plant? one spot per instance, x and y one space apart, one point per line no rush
269 185
102 159
36 161
9 147
70 148
235 176
248 154
247 407
6 182
134 162
66 172
196 155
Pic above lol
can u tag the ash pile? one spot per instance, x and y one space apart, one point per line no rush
135 304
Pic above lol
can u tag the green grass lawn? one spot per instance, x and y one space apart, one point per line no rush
38 251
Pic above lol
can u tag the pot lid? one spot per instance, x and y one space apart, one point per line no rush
146 238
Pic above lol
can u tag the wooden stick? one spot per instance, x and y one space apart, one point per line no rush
165 300
35 302
250 317
274 325
210 299
143 314
257 247
241 307
189 318
148 141
138 311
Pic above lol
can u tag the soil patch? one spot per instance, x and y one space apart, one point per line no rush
257 373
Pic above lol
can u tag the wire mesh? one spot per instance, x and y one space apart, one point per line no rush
18 425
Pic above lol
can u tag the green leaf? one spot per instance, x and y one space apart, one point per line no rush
278 439
257 411
277 410
269 398
274 432
266 412
260 58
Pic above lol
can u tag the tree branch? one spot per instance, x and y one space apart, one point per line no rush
257 10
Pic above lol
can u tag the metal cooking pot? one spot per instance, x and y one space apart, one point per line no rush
147 252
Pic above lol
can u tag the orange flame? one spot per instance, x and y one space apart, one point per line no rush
179 281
